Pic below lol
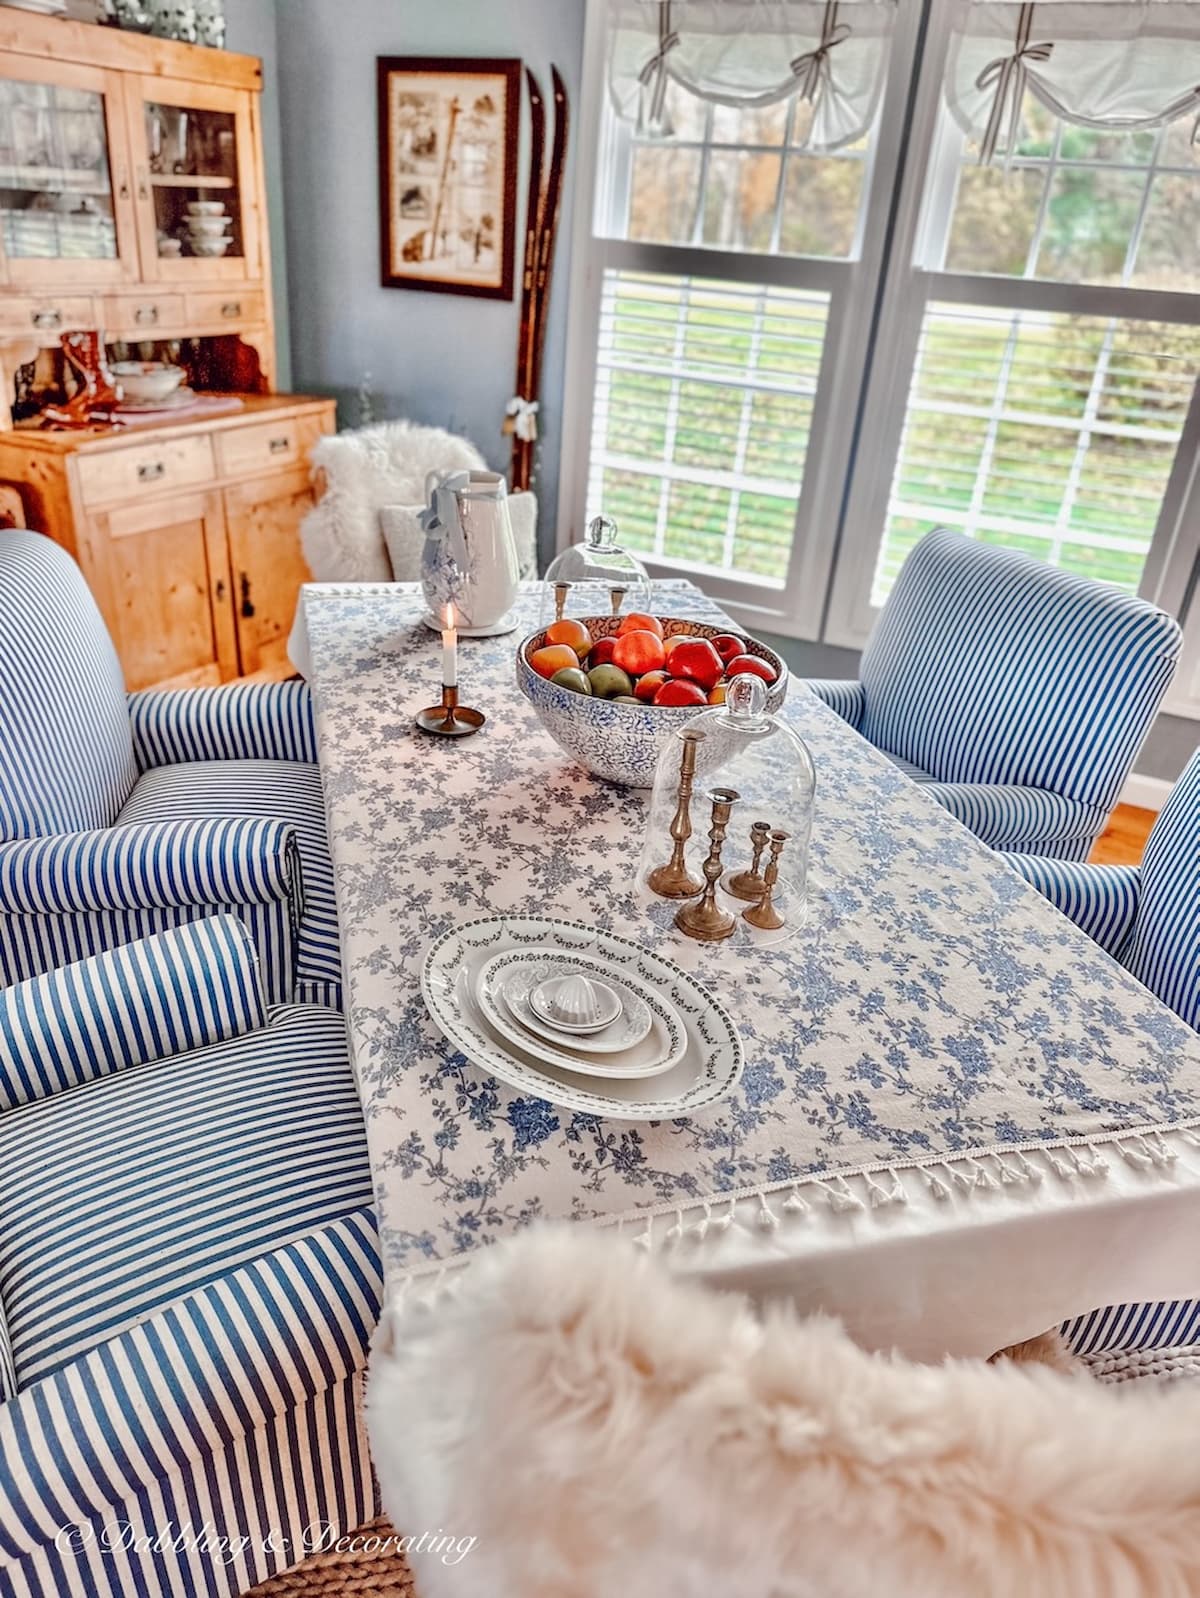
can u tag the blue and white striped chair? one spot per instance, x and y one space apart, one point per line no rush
1146 916
1017 693
122 815
189 1272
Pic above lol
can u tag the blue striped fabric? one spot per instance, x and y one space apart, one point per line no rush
289 790
1175 1324
258 1427
8 1371
1165 952
144 1001
989 667
1102 900
131 1192
846 697
68 897
66 756
241 721
1007 816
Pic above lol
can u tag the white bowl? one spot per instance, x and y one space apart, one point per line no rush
622 742
146 381
209 246
206 207
208 227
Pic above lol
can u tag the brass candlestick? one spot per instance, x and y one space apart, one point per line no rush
561 590
764 914
674 880
450 719
748 884
616 598
705 919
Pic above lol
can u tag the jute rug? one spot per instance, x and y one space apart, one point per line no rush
369 1574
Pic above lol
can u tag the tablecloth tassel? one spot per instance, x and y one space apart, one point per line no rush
722 1223
898 1195
699 1230
766 1220
1099 1163
1139 1158
877 1196
1030 1172
935 1184
795 1203
843 1197
1059 1167
958 1176
983 1177
1186 1133
1165 1155
675 1232
645 1239
1086 1161
1008 1176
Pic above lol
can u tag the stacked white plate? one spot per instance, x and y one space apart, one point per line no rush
670 1049
206 224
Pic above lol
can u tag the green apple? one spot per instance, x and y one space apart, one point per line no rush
571 677
610 681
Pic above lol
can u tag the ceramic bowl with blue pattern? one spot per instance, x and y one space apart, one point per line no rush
622 742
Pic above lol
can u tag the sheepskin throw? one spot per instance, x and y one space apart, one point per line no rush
599 1428
364 471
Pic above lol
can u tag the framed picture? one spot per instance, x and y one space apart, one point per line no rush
448 173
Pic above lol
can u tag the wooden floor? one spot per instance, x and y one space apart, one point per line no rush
1122 841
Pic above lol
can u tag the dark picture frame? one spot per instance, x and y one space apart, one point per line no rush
448 138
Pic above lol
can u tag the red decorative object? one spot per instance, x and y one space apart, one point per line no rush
98 394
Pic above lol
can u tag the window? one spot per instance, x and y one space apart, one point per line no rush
782 398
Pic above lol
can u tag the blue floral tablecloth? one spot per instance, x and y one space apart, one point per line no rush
935 1013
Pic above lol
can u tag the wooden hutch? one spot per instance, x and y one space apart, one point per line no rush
186 528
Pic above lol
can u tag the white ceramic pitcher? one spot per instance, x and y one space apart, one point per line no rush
470 557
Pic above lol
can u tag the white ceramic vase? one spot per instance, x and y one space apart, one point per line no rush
470 557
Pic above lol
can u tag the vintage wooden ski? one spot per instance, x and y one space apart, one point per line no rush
521 455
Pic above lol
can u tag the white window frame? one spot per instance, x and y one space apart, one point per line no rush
907 291
795 608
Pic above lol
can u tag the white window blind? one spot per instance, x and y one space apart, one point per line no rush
703 409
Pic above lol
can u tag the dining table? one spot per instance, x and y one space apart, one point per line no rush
959 1120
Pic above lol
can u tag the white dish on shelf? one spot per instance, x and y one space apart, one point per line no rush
210 247
208 227
708 1072
205 208
147 382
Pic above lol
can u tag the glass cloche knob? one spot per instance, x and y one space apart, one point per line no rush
597 577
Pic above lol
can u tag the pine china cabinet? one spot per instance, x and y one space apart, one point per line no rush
185 525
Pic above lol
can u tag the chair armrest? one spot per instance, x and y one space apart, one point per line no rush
156 864
242 721
1101 900
845 696
1011 816
179 990
180 1387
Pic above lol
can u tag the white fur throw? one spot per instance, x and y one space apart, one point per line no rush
604 1430
365 470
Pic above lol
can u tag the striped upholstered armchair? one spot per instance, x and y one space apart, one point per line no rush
122 815
189 1273
1017 693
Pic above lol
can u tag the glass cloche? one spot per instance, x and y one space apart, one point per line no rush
595 578
729 824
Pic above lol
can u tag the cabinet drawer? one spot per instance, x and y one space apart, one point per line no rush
245 450
233 305
145 470
46 315
141 315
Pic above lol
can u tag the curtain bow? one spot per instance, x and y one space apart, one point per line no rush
1007 74
655 69
813 69
523 417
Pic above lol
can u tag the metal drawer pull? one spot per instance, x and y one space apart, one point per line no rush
247 603
150 471
278 445
231 308
47 319
146 314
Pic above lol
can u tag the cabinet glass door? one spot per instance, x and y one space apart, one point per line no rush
62 192
196 201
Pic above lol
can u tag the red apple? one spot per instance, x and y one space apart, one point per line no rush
646 687
741 665
727 646
602 651
698 661
678 692
639 651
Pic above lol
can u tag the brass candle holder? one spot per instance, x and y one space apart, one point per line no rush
561 590
674 880
616 598
749 884
704 919
764 914
450 719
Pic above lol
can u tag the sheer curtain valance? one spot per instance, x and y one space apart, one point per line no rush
832 53
1119 64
